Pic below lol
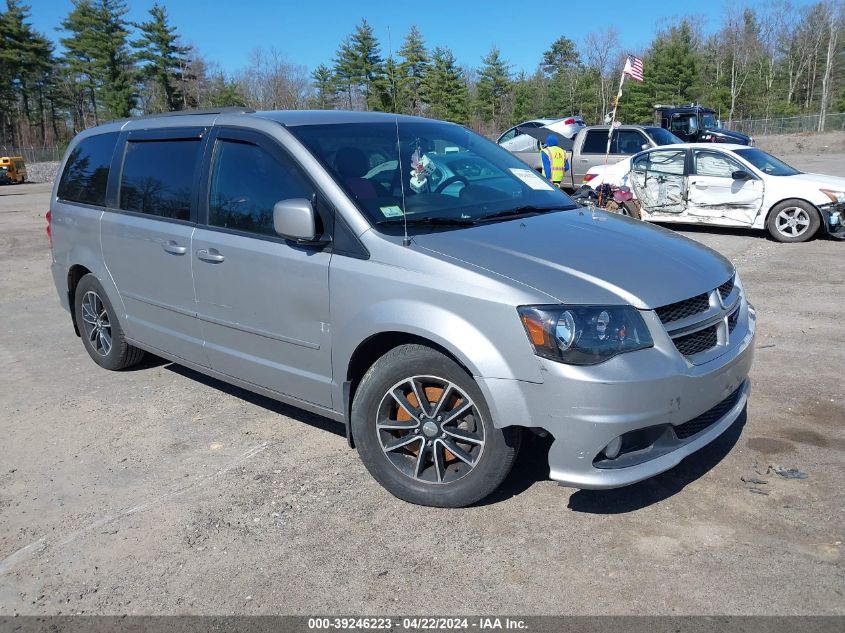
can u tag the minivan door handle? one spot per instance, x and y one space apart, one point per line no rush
173 248
210 255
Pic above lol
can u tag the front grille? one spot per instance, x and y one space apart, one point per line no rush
697 341
708 418
732 319
726 288
683 309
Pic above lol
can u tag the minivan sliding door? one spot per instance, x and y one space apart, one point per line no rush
146 238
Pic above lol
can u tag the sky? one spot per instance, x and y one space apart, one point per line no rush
308 32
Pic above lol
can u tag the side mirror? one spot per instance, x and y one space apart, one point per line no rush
741 174
295 219
645 146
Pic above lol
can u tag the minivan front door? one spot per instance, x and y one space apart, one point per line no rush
146 239
262 301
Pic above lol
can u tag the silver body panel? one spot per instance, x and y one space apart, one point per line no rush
285 320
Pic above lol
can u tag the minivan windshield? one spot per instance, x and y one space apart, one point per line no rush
437 174
766 163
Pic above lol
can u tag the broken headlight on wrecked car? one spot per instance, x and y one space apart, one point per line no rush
584 335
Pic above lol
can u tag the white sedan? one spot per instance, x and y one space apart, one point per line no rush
729 185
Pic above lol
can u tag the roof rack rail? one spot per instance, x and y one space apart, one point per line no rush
227 110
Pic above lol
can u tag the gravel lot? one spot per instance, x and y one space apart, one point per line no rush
161 491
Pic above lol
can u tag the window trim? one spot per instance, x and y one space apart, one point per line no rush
149 136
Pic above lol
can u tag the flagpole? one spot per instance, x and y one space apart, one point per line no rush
612 122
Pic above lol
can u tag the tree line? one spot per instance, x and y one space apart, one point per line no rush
774 60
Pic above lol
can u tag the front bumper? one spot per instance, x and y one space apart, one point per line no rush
833 218
584 408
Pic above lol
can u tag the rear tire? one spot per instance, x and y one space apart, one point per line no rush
101 332
793 221
631 209
440 449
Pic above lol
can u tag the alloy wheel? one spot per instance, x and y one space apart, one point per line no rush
792 221
430 429
96 324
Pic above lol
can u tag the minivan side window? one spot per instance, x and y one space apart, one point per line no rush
246 182
86 172
157 177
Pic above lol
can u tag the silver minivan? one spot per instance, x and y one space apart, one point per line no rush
408 279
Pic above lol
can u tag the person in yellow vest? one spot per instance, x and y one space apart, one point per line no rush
554 159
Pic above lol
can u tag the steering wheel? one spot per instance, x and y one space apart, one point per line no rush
449 181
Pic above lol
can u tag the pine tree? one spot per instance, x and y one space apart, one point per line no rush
412 70
165 59
346 71
671 75
97 51
368 63
445 89
494 85
325 86
26 60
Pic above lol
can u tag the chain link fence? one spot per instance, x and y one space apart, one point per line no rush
34 154
789 125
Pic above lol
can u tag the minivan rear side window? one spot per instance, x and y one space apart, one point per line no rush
246 182
158 176
86 172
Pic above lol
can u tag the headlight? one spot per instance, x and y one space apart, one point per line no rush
584 335
835 196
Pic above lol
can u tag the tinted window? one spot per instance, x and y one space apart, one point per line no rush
87 170
595 143
246 183
627 142
715 164
158 176
662 137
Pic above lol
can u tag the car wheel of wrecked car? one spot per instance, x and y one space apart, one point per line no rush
793 221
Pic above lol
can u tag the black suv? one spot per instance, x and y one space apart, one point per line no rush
695 124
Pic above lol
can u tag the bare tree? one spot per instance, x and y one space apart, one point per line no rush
739 45
602 54
834 28
270 82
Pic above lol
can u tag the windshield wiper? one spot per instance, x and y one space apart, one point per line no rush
518 212
430 221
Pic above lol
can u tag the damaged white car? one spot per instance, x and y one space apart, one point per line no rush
729 185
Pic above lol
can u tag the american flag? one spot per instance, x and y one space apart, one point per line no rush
633 68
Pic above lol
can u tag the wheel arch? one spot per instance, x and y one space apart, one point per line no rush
792 199
74 274
370 350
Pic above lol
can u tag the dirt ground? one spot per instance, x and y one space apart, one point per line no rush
161 491
803 146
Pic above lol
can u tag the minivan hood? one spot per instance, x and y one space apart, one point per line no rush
587 258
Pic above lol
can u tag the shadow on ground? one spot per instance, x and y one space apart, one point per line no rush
300 415
532 463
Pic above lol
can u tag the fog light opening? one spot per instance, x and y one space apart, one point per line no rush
611 451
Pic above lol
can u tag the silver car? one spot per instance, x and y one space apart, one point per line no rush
438 319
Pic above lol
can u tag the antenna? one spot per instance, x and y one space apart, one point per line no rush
406 241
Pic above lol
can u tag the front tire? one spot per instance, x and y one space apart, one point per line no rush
424 431
100 330
793 221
